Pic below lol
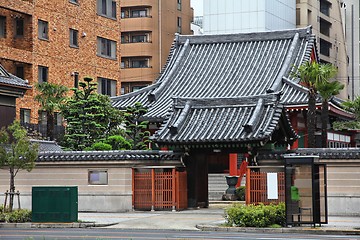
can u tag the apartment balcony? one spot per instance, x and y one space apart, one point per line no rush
39 130
132 3
138 74
137 24
137 49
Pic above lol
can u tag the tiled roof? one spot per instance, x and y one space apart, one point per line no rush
46 146
225 66
323 153
11 80
78 156
224 120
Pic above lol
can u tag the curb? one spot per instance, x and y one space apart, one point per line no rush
318 231
56 225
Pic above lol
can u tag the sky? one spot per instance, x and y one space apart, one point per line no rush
198 7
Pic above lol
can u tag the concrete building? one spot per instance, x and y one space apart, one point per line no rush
234 16
60 42
350 10
148 29
325 18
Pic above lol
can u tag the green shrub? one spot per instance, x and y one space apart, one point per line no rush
240 193
118 142
100 146
16 216
255 215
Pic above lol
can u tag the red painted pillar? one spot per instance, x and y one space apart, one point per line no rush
233 164
294 124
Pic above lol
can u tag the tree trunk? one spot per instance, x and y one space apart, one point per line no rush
12 189
324 123
50 126
311 119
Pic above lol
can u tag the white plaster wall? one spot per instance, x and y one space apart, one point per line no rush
116 196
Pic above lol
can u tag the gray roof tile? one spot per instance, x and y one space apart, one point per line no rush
222 66
223 120
11 80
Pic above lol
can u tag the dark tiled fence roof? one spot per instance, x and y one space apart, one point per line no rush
78 156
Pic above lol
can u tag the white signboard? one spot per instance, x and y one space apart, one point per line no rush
272 186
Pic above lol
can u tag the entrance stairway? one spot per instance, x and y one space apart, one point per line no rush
217 186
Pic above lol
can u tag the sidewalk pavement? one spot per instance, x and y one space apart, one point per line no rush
207 219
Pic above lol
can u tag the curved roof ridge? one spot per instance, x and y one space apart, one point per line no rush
244 37
153 95
286 64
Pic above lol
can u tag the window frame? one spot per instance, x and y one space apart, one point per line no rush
19 27
74 38
107 86
99 180
22 69
76 79
179 24
179 5
107 8
25 115
43 34
106 48
41 76
2 26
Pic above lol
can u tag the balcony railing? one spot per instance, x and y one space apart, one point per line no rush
39 131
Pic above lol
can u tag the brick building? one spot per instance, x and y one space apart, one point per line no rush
64 40
148 29
60 42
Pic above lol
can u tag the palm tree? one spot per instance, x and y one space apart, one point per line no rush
50 98
327 90
313 74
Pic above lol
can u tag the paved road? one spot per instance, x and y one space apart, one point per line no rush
99 234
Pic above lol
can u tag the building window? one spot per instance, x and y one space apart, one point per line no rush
43 30
325 27
2 26
74 34
138 13
179 24
19 27
25 115
57 119
325 47
43 74
325 7
135 37
98 177
106 86
135 88
107 8
42 118
76 79
20 71
135 62
179 5
106 48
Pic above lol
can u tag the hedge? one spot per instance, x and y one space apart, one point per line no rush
261 215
